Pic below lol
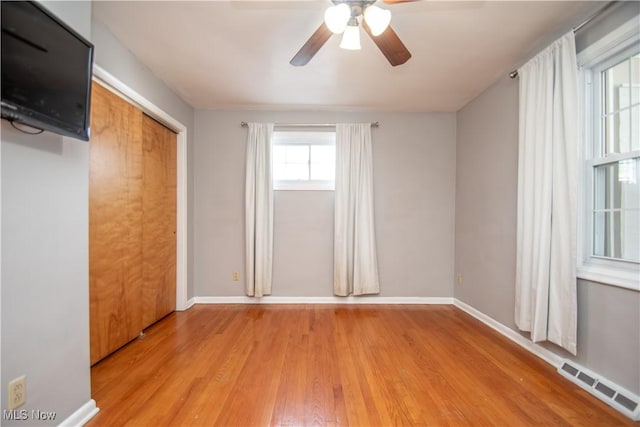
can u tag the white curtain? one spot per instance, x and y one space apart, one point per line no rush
546 302
258 211
355 262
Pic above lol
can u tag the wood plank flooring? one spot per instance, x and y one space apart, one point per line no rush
324 365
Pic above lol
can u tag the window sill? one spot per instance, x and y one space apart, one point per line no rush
304 185
628 278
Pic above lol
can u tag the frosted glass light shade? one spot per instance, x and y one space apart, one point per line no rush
351 38
336 17
377 19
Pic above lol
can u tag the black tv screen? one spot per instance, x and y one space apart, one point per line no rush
46 71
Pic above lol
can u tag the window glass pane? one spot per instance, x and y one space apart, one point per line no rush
611 129
635 128
630 235
279 153
620 104
635 79
624 96
599 227
629 181
605 184
323 171
616 87
600 184
297 171
621 131
624 132
613 234
279 170
323 153
323 162
616 213
607 227
297 154
303 156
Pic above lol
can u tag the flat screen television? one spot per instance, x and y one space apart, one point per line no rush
46 71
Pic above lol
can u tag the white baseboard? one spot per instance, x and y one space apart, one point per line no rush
556 361
190 303
82 415
593 383
544 354
323 300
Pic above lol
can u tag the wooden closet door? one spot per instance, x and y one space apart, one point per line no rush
158 221
115 214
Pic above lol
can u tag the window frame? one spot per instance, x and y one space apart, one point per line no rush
304 138
608 51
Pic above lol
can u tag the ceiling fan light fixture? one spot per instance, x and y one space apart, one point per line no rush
377 19
351 36
336 17
377 27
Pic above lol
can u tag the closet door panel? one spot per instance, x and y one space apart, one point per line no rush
115 214
158 221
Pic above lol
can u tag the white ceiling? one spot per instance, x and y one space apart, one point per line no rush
235 54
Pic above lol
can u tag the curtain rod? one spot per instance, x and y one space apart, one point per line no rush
514 73
307 125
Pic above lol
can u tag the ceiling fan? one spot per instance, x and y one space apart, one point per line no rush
345 16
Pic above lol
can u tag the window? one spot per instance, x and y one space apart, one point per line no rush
304 160
610 230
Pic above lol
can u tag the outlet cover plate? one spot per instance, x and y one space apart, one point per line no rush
17 392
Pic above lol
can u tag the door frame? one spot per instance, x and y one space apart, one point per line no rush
113 84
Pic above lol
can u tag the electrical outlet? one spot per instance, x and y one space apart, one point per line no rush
17 392
236 276
459 278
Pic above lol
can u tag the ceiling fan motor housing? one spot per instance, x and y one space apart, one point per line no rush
357 6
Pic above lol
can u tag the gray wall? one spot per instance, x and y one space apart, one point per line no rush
414 172
45 238
486 185
115 58
45 300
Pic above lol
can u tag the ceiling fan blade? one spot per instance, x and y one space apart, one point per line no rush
312 46
390 45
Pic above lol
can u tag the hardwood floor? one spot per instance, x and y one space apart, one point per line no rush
294 365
